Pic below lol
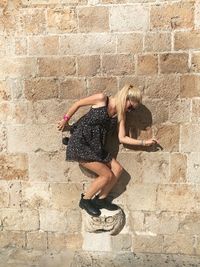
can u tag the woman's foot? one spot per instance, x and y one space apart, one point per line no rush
88 205
104 203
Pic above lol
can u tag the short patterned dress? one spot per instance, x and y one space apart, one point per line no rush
88 136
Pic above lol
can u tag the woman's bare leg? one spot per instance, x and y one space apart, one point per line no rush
104 178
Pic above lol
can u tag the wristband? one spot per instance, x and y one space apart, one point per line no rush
66 117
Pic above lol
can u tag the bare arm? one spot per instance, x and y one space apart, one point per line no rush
124 139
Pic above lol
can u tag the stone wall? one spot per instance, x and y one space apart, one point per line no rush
55 51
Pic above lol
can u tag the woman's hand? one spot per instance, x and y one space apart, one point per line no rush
61 124
150 142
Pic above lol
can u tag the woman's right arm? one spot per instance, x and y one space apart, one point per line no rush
90 100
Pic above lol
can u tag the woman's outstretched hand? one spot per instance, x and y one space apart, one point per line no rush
150 142
61 124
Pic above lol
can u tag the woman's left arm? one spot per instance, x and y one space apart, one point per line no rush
124 139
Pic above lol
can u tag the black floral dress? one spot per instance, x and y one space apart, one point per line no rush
88 136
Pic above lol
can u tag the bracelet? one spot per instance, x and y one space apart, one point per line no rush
66 117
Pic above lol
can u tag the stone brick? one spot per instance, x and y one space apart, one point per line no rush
177 197
195 110
189 86
190 141
88 65
5 92
174 63
136 220
73 88
19 220
157 42
195 62
189 223
129 18
5 111
17 67
172 15
16 87
159 110
61 241
15 194
33 21
166 87
50 66
197 15
4 194
3 138
121 242
141 196
129 43
193 170
84 44
21 47
37 89
178 168
178 243
43 45
186 40
22 112
107 85
40 134
37 240
138 81
14 166
93 19
12 238
168 136
179 111
147 64
117 64
147 243
61 20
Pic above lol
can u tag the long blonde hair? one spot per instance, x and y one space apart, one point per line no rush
127 92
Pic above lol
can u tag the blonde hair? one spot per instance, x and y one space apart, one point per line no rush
127 92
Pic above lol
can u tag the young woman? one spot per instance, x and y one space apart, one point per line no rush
87 141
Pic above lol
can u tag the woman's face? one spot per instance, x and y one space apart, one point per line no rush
131 105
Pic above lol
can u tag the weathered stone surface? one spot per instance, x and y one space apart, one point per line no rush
102 84
5 92
178 243
61 20
56 66
197 14
14 166
3 138
4 194
43 45
62 241
159 110
88 65
12 239
129 43
190 137
117 64
172 15
21 47
193 171
189 86
195 62
129 18
174 63
147 65
93 19
178 168
147 243
186 40
179 111
37 240
157 42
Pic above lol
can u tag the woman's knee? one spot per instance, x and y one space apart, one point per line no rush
108 177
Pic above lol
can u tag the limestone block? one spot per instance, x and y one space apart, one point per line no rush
5 91
179 111
4 194
172 15
129 18
33 138
178 168
108 85
121 242
136 220
189 86
145 242
12 238
186 40
129 42
189 223
15 194
61 20
56 66
43 45
19 220
117 64
97 242
16 87
138 81
157 42
91 43
37 89
195 67
190 141
14 166
111 222
159 110
37 240
197 15
178 243
174 63
193 170
195 111
147 64
162 86
62 241
3 137
88 65
21 46
93 19
73 88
